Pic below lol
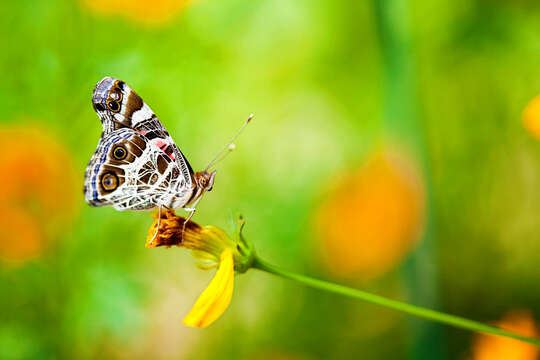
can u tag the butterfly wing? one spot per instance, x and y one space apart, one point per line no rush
130 172
118 106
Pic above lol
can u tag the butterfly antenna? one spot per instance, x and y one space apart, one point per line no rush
228 147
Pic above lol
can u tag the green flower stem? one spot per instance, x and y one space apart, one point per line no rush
421 312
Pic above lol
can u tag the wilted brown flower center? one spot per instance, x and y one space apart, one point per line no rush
170 230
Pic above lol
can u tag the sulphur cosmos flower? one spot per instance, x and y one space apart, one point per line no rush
212 248
216 297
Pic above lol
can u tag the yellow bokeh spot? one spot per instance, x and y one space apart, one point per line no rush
29 241
141 11
489 347
371 217
531 117
37 190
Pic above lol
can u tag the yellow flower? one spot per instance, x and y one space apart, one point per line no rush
217 296
211 247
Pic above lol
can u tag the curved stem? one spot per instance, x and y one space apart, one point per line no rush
429 314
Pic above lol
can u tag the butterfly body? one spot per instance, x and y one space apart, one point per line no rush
137 165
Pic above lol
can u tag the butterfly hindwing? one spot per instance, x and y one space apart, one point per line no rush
130 172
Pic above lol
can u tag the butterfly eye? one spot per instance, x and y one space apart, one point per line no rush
113 106
109 181
119 153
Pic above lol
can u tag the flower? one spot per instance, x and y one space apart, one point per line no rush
212 248
531 117
488 347
145 12
216 297
371 218
37 192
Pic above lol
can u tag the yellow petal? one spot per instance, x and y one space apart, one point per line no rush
216 297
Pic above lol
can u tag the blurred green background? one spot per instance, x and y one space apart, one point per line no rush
387 153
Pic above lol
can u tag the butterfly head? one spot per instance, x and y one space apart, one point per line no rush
205 180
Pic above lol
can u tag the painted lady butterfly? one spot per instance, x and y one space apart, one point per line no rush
137 165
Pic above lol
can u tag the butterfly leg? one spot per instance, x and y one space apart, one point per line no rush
158 224
191 212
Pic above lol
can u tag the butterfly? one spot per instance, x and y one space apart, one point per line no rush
137 165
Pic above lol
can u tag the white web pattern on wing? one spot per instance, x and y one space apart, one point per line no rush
153 124
145 187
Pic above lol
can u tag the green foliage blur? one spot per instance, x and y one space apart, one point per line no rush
329 82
